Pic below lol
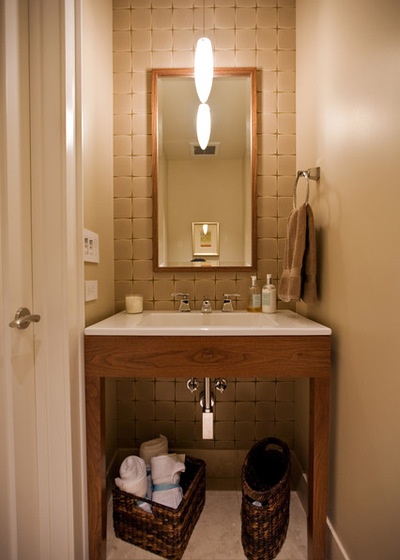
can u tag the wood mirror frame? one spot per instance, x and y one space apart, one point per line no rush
245 80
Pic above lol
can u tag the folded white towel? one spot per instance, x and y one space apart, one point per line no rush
132 476
166 471
153 447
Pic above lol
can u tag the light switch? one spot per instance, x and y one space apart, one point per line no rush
91 246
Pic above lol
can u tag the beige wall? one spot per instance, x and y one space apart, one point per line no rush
97 162
97 168
220 182
348 91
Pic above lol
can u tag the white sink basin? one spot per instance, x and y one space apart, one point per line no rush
194 323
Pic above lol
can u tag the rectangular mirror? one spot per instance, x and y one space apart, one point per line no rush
214 186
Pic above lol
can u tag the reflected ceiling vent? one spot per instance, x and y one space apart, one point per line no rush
211 149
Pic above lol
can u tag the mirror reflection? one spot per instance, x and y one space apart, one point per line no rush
204 200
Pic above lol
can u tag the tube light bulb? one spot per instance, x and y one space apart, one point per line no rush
203 125
203 68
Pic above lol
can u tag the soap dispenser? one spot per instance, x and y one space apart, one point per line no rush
254 296
268 296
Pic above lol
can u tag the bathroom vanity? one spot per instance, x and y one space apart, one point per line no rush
239 344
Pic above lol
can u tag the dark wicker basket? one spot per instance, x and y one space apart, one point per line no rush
164 531
265 499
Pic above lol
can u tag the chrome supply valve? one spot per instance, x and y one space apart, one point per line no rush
192 384
220 383
184 305
227 305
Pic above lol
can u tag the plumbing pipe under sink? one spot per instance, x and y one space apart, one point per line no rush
208 415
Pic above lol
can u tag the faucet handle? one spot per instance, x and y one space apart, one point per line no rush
227 305
220 384
184 304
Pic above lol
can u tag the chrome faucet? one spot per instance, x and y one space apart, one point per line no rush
206 306
184 305
227 305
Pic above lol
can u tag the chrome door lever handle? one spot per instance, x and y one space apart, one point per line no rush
23 319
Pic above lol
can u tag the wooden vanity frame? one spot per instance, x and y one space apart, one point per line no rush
200 356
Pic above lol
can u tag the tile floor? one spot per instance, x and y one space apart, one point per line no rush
217 533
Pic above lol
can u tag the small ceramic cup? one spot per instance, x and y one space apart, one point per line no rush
134 303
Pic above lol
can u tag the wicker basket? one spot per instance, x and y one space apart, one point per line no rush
265 499
164 531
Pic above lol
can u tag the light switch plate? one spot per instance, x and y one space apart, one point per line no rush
90 290
91 251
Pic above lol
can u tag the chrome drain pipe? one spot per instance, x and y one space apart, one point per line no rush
208 416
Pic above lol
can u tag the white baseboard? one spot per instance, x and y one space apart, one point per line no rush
336 550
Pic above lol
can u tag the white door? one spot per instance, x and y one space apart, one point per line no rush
19 523
42 505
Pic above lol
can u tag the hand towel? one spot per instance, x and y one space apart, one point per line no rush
153 447
309 281
298 280
132 476
149 449
165 472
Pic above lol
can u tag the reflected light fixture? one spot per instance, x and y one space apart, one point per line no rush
203 64
203 125
205 229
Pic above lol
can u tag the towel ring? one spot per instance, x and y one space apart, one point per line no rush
306 176
312 174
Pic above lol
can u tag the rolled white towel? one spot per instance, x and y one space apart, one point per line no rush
166 471
178 457
153 447
132 476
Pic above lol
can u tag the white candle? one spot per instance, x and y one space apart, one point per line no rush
134 303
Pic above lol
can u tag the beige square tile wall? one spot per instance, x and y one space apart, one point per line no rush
162 34
248 410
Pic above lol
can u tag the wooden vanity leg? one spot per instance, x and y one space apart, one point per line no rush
318 468
96 467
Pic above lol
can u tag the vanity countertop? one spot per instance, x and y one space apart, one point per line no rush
195 323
